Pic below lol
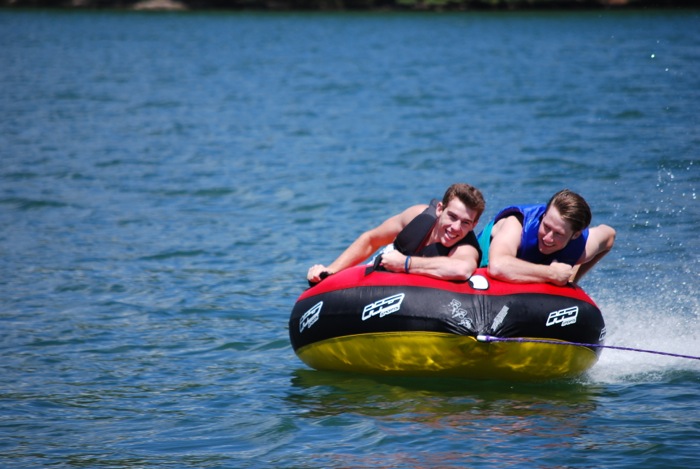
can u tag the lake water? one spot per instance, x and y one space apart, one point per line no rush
167 179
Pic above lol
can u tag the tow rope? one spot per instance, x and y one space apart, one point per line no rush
488 339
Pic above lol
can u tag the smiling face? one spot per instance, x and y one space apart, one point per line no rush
454 222
554 232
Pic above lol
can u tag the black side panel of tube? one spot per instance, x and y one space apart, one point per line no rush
398 309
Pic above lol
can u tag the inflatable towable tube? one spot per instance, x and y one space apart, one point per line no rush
368 321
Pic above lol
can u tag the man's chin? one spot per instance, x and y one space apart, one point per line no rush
546 250
449 242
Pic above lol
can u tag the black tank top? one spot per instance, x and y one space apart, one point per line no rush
411 240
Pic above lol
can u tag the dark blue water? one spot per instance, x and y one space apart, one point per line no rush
167 179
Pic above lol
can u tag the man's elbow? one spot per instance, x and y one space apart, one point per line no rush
497 269
465 271
610 241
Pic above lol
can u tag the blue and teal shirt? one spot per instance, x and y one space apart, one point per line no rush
531 216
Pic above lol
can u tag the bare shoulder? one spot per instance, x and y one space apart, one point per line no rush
393 225
508 224
601 235
412 212
602 230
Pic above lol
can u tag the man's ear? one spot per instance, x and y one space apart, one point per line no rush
576 235
439 208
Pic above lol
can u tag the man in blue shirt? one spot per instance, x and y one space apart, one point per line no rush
545 243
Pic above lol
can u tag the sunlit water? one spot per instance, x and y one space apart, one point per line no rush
167 179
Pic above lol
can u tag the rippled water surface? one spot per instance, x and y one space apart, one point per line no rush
167 179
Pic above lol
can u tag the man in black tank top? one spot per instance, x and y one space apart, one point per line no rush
435 240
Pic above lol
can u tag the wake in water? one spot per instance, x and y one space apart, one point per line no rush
656 324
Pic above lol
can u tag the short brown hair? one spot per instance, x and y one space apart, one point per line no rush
469 195
573 208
